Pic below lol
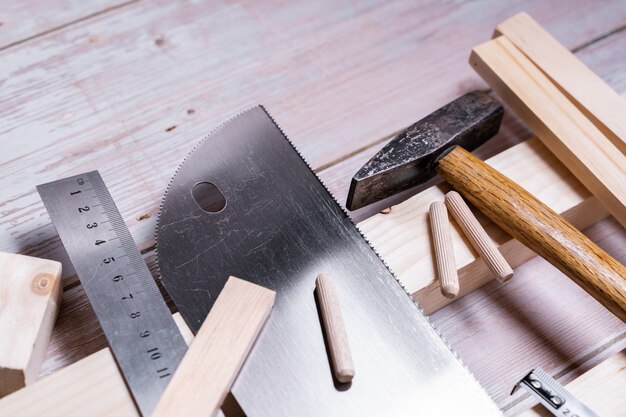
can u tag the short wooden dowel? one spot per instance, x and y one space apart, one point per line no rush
334 326
444 251
478 237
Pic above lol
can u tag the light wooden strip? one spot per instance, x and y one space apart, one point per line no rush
30 296
210 366
335 329
478 237
602 388
590 93
402 236
443 252
92 386
575 140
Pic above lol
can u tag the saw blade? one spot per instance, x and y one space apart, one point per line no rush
280 227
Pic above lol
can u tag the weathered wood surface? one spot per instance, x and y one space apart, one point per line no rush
131 90
23 20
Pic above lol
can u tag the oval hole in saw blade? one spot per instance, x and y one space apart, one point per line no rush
208 197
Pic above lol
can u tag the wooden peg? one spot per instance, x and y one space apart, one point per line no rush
478 237
30 296
212 363
444 251
336 335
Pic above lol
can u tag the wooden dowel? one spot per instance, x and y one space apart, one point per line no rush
478 237
336 335
444 251
210 366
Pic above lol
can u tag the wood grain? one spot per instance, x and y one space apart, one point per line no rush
129 92
537 226
210 366
443 249
560 125
539 318
478 237
90 96
402 236
92 386
593 97
334 328
21 21
30 296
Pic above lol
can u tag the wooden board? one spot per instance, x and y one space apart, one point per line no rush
129 92
30 297
402 237
595 99
560 125
92 386
21 21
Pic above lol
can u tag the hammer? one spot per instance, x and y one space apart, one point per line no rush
435 145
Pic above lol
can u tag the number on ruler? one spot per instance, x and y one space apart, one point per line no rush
154 354
75 192
128 297
83 209
163 373
118 278
108 260
135 315
92 225
100 242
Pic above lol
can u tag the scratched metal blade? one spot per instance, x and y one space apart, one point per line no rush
280 228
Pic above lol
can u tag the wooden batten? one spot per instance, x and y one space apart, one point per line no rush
210 366
593 97
558 123
30 296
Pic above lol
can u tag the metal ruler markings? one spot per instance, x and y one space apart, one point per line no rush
134 317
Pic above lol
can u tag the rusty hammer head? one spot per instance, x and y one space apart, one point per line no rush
411 157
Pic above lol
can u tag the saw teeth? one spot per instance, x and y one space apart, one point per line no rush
345 212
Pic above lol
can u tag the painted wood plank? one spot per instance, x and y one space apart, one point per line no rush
77 333
24 20
87 105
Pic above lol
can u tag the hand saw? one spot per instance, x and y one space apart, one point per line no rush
245 203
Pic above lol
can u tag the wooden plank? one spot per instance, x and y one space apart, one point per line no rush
30 296
402 237
141 122
214 359
77 333
603 389
593 97
24 20
92 386
573 138
539 318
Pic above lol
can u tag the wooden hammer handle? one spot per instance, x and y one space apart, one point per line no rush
537 226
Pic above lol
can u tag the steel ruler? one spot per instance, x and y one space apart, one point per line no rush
134 317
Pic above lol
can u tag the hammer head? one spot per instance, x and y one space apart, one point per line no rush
411 157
